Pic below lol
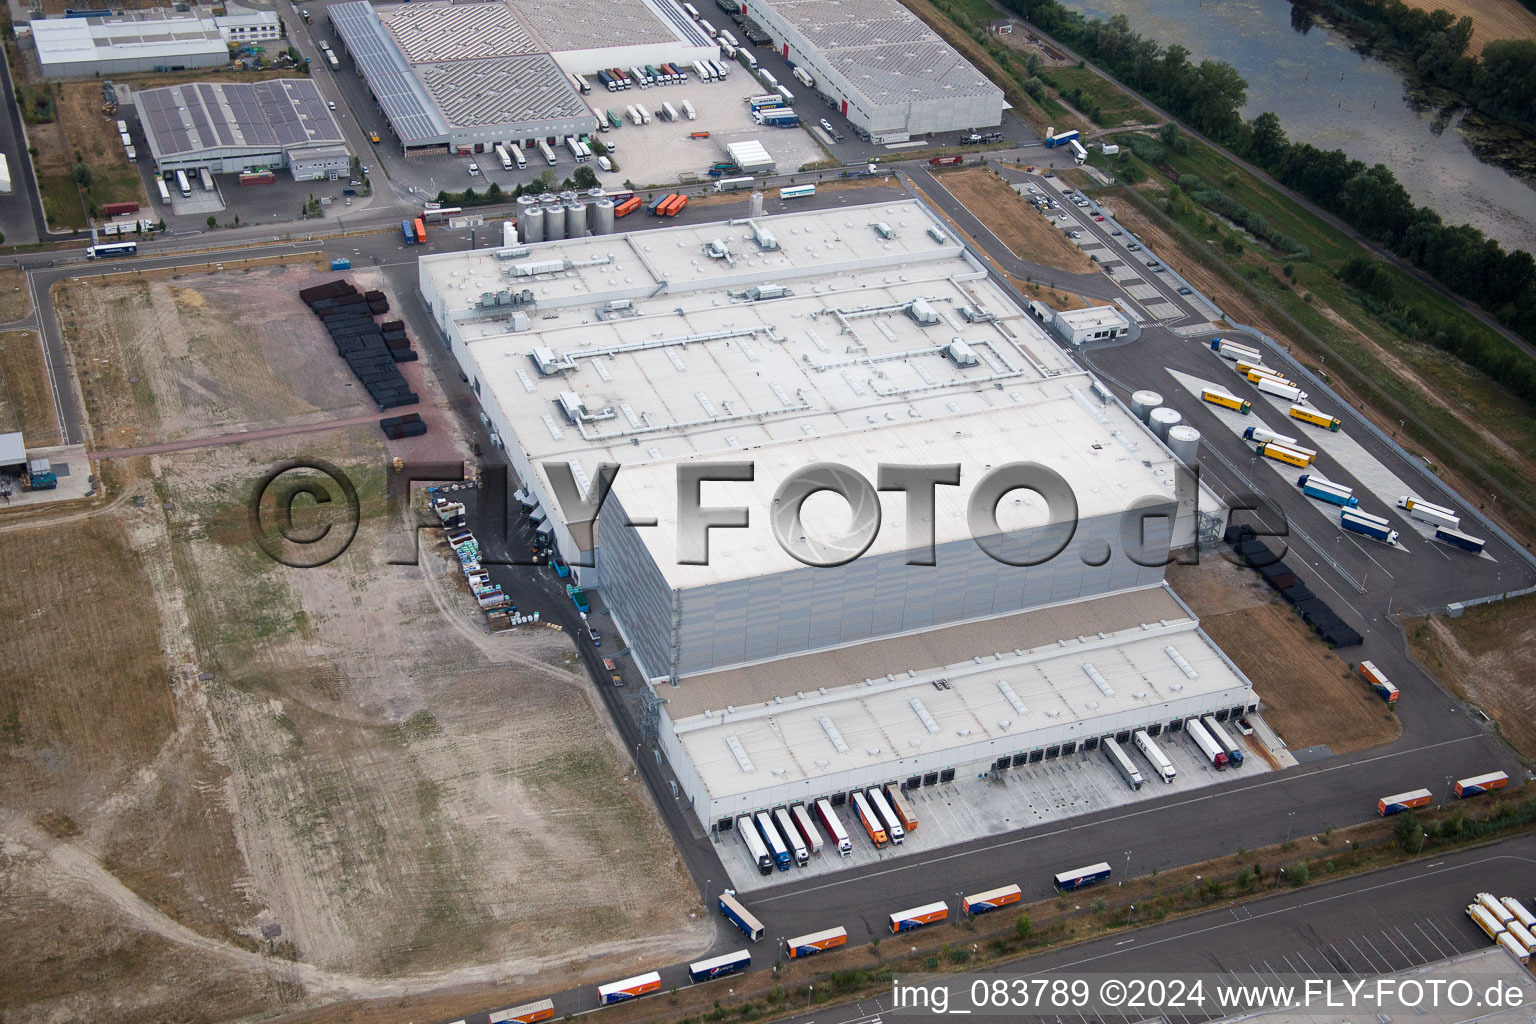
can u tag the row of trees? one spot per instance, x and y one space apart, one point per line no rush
1209 96
1501 84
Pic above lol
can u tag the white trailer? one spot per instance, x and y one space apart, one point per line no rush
504 157
1118 758
805 78
834 827
1270 386
1496 907
1522 915
770 831
634 114
1154 755
703 72
1233 351
806 826
1214 755
754 844
1424 512
549 154
1223 740
573 144
183 184
5 176
892 823
165 192
517 154
671 112
792 836
645 115
721 69
783 90
688 111
207 179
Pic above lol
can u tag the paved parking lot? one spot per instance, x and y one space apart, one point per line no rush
971 808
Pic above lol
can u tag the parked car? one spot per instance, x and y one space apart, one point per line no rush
1098 216
1116 231
1186 291
1133 247
1152 263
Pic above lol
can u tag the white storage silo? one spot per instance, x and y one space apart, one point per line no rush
554 223
1161 418
508 233
576 220
530 223
757 204
1184 442
602 217
1143 402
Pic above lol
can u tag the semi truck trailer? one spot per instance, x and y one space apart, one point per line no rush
1314 486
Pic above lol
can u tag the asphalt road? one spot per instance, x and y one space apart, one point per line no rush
21 212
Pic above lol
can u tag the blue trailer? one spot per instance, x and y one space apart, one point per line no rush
341 264
738 915
1314 486
1371 526
409 231
781 118
1069 880
1456 538
1052 140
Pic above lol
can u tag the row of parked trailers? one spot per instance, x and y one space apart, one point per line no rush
1477 785
1507 922
792 835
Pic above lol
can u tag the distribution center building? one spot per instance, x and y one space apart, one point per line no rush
232 126
463 77
151 40
888 73
853 337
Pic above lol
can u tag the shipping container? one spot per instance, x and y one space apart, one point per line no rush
719 966
791 834
827 814
1216 396
1480 784
867 817
1082 877
1306 414
992 899
421 230
893 827
806 826
628 206
1403 801
738 915
1424 512
1314 486
528 1013
902 806
629 988
1121 762
1232 350
1223 740
816 942
1465 541
409 231
675 207
928 913
756 848
776 844
1214 755
1154 755
1378 681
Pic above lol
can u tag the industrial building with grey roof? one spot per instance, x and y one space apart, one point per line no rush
888 73
230 127
464 77
854 337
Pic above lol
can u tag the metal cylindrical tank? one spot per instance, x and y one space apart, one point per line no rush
530 224
548 198
568 196
1161 418
594 193
757 204
576 220
602 217
1143 402
554 223
526 200
508 233
1184 442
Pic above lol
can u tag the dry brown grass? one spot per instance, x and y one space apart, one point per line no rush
1019 226
1488 656
15 301
93 138
1310 696
26 404
1491 19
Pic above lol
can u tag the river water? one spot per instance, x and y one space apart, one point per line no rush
1326 94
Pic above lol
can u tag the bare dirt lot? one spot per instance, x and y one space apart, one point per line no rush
25 401
1310 696
1488 656
1019 226
15 303
1491 19
230 787
205 354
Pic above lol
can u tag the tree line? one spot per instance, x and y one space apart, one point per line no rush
1209 96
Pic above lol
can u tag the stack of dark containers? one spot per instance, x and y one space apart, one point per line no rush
1314 611
399 427
370 348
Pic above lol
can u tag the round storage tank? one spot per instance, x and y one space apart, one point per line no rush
757 204
554 223
526 200
1184 442
548 198
1143 402
1161 418
530 224
568 196
576 220
602 217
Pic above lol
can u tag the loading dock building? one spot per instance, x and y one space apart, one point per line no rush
1077 327
850 337
151 40
230 127
463 77
888 73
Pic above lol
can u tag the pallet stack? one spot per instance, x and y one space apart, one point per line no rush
370 349
397 428
1313 610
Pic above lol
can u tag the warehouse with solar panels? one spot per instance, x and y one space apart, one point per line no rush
886 71
855 337
464 77
230 127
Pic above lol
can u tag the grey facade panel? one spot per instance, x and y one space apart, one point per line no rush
635 589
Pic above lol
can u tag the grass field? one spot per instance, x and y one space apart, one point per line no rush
25 401
93 135
1019 226
1116 107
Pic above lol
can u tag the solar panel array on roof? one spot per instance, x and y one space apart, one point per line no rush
681 23
182 120
506 91
405 102
434 32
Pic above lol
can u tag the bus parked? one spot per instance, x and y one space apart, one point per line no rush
1082 877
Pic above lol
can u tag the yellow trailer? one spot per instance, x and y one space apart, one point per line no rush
1318 419
1226 401
1289 454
